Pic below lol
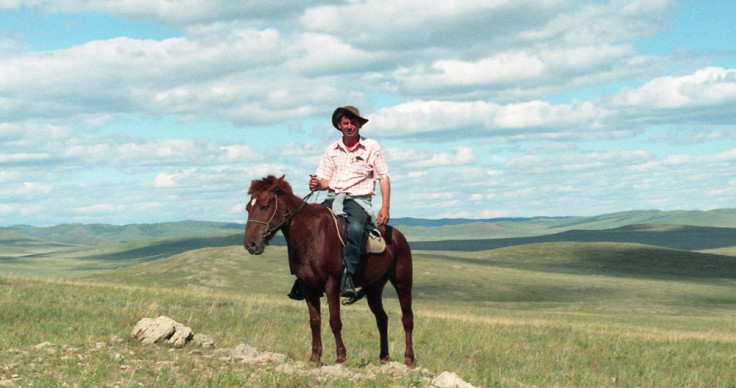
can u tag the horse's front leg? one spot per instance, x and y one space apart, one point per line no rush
316 325
333 299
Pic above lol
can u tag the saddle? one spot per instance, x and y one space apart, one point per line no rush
373 245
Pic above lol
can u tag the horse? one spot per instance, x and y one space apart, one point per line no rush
315 257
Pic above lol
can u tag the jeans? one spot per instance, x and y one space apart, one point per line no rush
355 241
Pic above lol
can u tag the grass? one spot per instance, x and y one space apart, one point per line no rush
553 314
59 260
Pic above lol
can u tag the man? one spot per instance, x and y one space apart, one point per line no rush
349 169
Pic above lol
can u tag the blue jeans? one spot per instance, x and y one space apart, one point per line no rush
357 219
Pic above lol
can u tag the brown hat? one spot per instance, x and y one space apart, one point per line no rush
347 111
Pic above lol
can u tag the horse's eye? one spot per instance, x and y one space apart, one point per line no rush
264 207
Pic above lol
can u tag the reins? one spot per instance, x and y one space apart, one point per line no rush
286 217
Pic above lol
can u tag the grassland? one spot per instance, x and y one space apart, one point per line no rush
546 314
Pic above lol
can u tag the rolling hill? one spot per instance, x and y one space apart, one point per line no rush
692 238
415 229
75 249
572 308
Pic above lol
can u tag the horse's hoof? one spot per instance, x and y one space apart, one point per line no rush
409 363
340 360
385 360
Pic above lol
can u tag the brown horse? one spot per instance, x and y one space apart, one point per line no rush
315 257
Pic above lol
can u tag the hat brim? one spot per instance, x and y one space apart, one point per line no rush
346 112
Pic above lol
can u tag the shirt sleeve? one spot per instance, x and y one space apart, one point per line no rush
380 167
326 168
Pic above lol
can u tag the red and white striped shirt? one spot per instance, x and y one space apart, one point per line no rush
353 172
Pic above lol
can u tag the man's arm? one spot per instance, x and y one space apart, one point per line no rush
383 214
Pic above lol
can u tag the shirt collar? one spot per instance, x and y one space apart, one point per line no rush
341 145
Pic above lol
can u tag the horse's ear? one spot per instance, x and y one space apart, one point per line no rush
281 186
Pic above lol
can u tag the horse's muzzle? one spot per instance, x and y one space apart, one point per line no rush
255 247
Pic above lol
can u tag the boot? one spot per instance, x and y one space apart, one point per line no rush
296 292
347 289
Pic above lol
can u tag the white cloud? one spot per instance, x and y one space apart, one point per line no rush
473 101
712 86
482 118
460 155
503 68
180 13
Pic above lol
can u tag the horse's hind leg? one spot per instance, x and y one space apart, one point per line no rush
374 293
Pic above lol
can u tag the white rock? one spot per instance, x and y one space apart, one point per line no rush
181 335
449 380
251 354
163 328
203 341
43 345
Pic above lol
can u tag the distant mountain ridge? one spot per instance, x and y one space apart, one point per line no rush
416 229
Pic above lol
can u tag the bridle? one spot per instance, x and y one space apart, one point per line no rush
285 217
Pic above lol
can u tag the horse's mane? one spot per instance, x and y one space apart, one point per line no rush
270 183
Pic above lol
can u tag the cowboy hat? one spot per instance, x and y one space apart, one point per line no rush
347 111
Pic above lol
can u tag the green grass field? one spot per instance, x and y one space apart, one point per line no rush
547 314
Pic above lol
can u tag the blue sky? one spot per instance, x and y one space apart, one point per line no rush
136 112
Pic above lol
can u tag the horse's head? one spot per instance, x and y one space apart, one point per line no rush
264 214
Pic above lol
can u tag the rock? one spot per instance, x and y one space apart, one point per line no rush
335 371
148 331
252 355
115 340
203 341
43 345
181 336
449 380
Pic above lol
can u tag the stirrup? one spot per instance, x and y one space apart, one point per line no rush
358 296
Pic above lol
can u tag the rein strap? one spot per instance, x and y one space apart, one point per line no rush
287 218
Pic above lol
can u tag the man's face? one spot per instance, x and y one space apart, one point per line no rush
349 126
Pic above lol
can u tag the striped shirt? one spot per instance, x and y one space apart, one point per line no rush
353 172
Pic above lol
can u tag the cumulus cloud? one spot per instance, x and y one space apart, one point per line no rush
479 118
507 105
181 13
712 86
459 155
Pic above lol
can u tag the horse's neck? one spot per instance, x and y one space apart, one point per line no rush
292 203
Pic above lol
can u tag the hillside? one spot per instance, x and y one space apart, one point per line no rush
441 273
415 229
93 234
553 314
73 261
74 250
15 244
692 238
546 314
467 229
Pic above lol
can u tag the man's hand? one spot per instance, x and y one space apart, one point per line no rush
383 216
315 184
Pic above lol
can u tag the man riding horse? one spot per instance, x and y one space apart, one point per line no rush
348 169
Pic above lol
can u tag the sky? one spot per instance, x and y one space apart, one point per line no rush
165 110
